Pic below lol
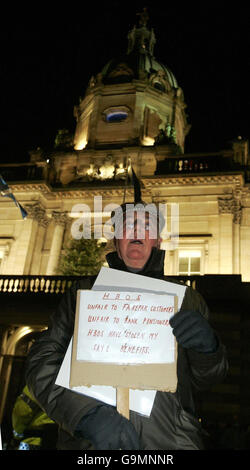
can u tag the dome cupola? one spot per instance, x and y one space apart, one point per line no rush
134 100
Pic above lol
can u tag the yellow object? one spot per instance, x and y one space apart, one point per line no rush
28 418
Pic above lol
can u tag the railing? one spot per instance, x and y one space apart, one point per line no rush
182 164
195 164
36 284
54 284
21 172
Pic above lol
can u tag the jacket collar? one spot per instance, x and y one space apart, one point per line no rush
153 268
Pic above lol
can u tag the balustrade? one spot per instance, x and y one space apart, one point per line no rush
51 284
35 284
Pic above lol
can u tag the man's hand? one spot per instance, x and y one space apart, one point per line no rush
108 430
193 331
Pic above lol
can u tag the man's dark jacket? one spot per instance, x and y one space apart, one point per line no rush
172 423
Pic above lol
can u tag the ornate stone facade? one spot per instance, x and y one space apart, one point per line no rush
132 114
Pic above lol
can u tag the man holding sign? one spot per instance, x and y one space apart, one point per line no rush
86 423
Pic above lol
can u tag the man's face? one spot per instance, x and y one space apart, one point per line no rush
135 247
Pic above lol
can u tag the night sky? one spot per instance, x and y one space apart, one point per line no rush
47 59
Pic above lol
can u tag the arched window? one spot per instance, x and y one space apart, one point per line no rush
116 114
159 86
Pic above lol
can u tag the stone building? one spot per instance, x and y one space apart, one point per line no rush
133 113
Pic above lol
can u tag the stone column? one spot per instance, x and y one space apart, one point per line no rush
60 219
23 249
43 223
245 243
237 213
205 266
169 268
226 205
38 214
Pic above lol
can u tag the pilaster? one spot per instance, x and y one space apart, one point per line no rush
225 206
60 219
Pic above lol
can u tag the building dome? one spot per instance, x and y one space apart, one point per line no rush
137 66
135 99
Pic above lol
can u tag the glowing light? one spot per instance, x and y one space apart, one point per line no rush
148 141
189 253
90 171
120 170
81 144
106 171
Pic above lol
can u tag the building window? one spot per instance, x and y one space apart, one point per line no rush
159 86
189 262
116 114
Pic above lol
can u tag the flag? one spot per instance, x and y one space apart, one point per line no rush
6 192
136 183
137 187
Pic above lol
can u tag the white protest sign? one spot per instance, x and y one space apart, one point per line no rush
140 401
112 279
125 327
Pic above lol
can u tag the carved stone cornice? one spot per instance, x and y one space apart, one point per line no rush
185 180
32 187
37 212
44 222
231 205
225 204
60 218
154 182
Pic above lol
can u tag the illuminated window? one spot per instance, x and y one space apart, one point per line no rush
116 116
189 262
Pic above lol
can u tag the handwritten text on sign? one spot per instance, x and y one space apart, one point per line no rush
125 327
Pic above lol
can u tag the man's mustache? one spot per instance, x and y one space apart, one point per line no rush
136 241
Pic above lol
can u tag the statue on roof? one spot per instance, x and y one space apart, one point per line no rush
143 17
140 38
